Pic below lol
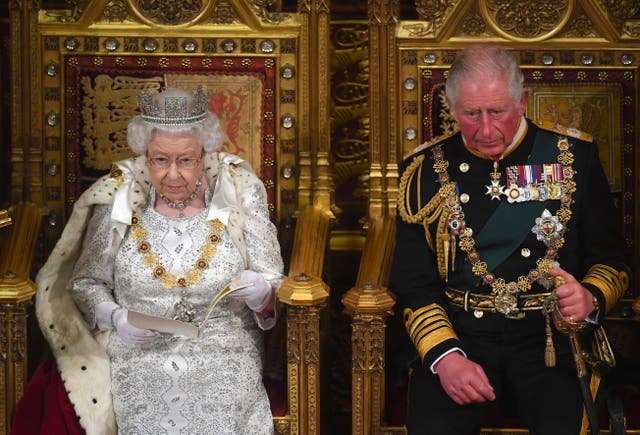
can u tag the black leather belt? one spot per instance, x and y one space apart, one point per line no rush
492 303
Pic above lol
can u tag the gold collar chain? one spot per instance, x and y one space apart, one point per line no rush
152 259
506 293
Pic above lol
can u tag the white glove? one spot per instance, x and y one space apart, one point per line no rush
256 295
112 315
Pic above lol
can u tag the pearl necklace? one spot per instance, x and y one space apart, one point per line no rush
181 205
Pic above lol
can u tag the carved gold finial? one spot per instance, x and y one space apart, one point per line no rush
303 290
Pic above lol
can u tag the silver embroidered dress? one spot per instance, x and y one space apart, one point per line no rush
212 384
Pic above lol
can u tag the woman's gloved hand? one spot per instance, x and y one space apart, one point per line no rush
112 315
257 294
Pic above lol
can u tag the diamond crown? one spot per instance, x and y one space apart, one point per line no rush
177 110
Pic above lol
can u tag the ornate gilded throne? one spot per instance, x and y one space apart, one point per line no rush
581 62
76 69
17 248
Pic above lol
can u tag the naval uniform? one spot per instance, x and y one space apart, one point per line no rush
475 240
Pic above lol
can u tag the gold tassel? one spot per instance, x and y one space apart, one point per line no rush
445 241
425 225
453 253
549 351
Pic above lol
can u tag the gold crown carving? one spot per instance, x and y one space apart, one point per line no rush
176 110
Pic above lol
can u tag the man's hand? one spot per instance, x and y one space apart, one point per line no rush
574 301
463 380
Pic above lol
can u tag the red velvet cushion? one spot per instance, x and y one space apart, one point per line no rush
277 392
45 407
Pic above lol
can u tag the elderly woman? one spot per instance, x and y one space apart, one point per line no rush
163 234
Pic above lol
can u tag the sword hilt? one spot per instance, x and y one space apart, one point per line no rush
570 329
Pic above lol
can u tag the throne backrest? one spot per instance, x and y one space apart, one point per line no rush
90 62
101 98
581 63
77 67
591 97
87 61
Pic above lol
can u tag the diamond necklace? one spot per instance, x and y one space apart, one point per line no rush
181 205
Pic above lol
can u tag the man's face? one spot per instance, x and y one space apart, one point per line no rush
487 115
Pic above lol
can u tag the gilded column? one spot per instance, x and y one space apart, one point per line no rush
305 130
13 342
314 132
323 186
304 296
369 306
25 103
369 303
383 17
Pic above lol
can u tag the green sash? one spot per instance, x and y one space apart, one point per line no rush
511 222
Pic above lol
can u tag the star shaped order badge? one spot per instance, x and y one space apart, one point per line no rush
494 190
547 228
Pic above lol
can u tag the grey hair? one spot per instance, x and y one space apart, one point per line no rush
485 61
208 130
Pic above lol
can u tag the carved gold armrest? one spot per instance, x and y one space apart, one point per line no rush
5 219
370 304
17 256
16 292
303 286
304 294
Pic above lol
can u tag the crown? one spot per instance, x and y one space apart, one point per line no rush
178 108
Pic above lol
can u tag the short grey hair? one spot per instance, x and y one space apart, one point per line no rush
485 61
208 130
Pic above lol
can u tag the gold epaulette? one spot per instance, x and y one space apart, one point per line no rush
428 327
405 192
563 130
434 210
428 144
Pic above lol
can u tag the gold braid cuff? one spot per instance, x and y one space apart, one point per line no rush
611 282
434 210
427 327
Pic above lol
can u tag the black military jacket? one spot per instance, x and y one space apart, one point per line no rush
591 252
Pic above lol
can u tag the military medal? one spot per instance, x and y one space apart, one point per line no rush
495 189
513 193
524 183
535 182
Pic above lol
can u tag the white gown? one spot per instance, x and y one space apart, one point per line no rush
208 385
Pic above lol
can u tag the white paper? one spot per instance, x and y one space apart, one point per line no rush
171 326
162 324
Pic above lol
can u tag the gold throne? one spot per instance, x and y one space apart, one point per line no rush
581 63
76 70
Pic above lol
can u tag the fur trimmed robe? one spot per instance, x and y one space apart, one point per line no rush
80 355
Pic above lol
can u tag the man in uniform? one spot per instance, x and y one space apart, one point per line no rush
488 219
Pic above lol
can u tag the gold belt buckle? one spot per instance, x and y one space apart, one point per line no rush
507 304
